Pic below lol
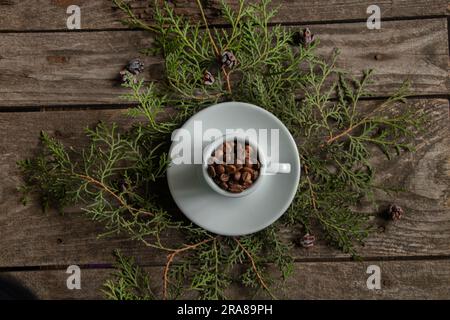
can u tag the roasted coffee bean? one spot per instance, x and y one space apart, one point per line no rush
229 158
236 188
230 169
223 185
211 171
246 176
247 169
247 184
234 166
219 154
220 169
248 149
228 147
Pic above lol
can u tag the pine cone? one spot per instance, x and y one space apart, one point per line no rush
395 212
208 78
135 66
125 74
304 38
228 59
308 241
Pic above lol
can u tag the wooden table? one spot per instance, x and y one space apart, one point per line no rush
61 81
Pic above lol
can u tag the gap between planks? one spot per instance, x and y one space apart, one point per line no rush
296 261
222 25
125 106
42 82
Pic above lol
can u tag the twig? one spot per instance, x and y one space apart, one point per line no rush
135 20
361 122
227 78
314 203
345 132
311 191
114 195
207 29
216 49
235 24
252 261
172 255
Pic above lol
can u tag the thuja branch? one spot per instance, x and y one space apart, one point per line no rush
119 199
216 49
172 255
213 43
255 268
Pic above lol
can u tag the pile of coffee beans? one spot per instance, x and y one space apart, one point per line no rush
234 166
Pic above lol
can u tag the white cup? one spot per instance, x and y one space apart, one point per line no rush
267 168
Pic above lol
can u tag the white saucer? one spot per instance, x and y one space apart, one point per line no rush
235 216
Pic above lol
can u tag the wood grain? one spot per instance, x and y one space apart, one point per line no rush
312 280
30 238
57 69
28 235
424 178
39 15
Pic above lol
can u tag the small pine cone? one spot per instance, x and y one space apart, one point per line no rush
229 60
135 66
308 241
395 212
125 75
208 78
305 37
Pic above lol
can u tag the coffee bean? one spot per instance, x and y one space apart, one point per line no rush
219 154
228 147
246 176
247 184
220 169
230 169
247 169
236 188
223 185
241 168
229 158
211 171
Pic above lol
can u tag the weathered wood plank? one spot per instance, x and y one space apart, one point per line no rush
311 280
424 178
42 69
30 238
41 15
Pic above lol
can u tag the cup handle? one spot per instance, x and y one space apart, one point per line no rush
275 168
